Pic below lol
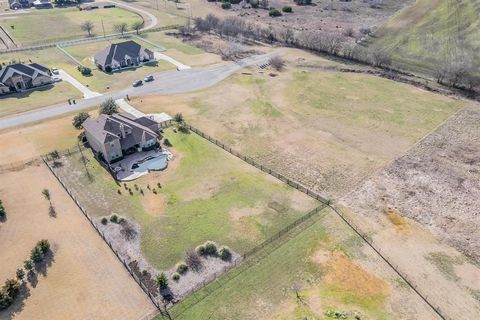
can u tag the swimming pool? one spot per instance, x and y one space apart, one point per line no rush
151 164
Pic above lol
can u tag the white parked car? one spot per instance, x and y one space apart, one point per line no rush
55 71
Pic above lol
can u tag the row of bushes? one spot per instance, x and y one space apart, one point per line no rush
85 71
12 286
209 248
113 218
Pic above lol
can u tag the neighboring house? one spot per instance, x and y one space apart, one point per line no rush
18 4
122 55
121 134
18 77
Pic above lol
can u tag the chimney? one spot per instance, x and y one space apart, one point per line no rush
122 130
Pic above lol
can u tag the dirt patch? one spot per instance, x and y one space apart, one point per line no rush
321 257
436 184
236 214
85 279
346 275
396 219
154 204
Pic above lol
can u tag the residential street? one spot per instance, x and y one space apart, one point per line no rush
170 82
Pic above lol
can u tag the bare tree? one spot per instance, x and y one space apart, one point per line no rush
193 260
88 27
277 62
137 26
231 50
286 35
121 28
380 57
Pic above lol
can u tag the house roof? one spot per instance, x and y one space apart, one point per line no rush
109 128
29 70
117 52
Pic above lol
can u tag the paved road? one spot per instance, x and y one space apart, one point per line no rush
170 82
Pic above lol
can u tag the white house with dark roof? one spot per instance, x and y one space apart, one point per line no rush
19 77
120 134
122 55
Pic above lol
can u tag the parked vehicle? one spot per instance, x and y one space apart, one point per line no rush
137 83
55 71
149 78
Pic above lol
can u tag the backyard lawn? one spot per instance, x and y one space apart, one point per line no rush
205 194
63 24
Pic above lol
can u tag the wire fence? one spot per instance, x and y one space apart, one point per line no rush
160 307
252 252
64 43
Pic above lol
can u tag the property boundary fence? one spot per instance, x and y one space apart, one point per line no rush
365 237
161 308
251 253
65 43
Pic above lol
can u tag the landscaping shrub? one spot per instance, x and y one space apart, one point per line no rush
162 281
104 221
108 69
200 250
20 274
167 142
178 118
287 9
114 218
225 253
175 276
193 260
79 119
226 5
274 13
210 248
182 127
28 265
182 268
85 71
121 220
108 107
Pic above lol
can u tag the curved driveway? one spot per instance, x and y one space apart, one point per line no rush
170 82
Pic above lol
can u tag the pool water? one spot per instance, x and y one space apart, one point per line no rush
151 164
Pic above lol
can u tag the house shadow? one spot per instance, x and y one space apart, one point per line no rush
27 93
18 304
131 68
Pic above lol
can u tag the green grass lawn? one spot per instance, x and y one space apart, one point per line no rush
264 291
206 194
63 24
99 80
431 31
41 97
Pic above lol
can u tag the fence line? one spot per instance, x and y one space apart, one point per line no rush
64 43
162 309
328 203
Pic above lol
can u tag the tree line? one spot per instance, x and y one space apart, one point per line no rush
458 72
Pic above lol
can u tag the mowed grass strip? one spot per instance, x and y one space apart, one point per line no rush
266 289
41 26
431 32
206 194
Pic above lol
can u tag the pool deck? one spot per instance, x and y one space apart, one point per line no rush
126 174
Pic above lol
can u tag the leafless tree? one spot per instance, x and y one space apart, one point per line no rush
286 35
121 27
137 26
277 62
88 27
193 260
380 57
231 50
128 231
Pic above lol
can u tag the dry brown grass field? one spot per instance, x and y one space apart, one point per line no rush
85 280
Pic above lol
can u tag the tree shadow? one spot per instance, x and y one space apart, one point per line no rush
18 304
42 267
32 278
52 212
3 217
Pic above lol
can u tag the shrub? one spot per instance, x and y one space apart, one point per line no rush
175 276
2 209
182 127
182 268
287 9
121 220
193 260
167 142
114 218
79 119
108 107
104 221
84 70
5 300
225 253
36 255
108 69
20 274
162 281
44 245
28 265
210 248
274 13
200 249
178 118
226 5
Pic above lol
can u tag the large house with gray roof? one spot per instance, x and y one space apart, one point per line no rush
120 134
122 55
19 77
